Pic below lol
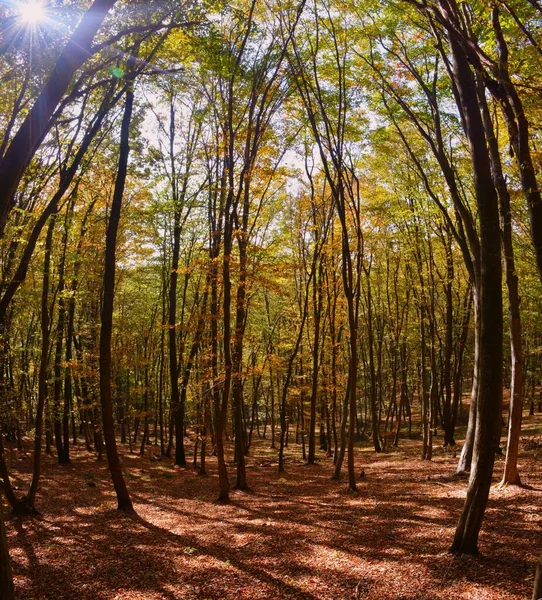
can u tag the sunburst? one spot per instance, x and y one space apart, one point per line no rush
32 13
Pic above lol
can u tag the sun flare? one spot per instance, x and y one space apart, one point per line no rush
32 13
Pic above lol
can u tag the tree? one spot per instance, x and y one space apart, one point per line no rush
106 320
6 579
38 122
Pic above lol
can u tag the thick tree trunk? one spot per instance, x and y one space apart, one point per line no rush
511 474
6 578
537 588
488 417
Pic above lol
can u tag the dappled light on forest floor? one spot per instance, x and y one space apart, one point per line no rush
294 535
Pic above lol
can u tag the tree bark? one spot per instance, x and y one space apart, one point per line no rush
488 417
123 497
6 578
511 474
537 588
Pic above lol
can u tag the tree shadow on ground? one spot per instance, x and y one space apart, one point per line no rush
296 535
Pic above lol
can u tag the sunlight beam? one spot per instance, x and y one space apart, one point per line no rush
32 13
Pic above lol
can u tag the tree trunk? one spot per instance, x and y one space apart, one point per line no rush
511 474
372 373
537 588
488 417
465 458
180 458
123 497
42 376
6 578
317 312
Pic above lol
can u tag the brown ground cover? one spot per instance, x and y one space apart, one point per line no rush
295 535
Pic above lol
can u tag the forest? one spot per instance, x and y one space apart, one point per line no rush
270 299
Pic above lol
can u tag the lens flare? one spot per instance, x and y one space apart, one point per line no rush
32 13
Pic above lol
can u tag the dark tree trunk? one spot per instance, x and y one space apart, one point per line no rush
123 497
180 458
237 360
537 588
488 417
317 313
6 578
42 376
511 474
372 371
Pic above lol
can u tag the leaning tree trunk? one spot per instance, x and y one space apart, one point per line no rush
518 132
38 121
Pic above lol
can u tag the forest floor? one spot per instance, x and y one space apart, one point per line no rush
294 535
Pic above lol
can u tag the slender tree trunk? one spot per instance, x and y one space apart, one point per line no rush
180 458
317 313
424 392
61 422
42 376
342 432
372 373
237 363
289 372
448 420
465 458
123 497
272 392
403 393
